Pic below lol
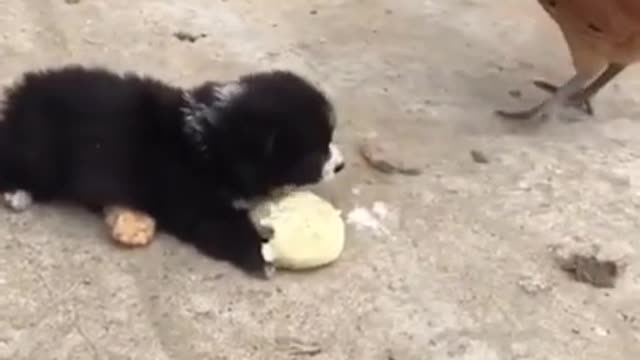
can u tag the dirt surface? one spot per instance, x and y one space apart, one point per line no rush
452 264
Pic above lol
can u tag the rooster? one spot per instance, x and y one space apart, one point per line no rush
603 37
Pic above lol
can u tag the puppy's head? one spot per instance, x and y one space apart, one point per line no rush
263 132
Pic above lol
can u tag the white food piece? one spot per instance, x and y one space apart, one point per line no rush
309 231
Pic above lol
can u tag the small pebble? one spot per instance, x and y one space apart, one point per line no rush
516 94
479 157
185 36
533 284
590 270
600 331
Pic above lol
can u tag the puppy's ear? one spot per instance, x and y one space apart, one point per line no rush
204 103
224 94
197 113
197 118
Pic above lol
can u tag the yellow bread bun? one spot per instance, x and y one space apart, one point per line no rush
308 231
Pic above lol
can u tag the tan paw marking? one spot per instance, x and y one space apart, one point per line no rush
129 227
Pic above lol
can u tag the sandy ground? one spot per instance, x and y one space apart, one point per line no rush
451 264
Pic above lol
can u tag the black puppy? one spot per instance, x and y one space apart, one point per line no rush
191 158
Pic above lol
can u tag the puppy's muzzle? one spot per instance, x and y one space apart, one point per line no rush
334 164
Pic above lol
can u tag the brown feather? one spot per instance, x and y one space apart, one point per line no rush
598 31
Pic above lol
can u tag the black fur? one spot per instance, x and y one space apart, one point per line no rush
95 138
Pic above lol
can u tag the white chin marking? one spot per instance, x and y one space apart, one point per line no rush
18 200
335 159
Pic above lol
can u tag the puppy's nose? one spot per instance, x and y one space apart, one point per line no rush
339 168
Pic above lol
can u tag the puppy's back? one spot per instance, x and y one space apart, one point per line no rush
77 132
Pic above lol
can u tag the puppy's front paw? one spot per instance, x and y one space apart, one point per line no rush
266 250
265 231
18 200
269 256
259 261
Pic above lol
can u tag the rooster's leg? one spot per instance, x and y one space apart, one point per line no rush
582 100
548 108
